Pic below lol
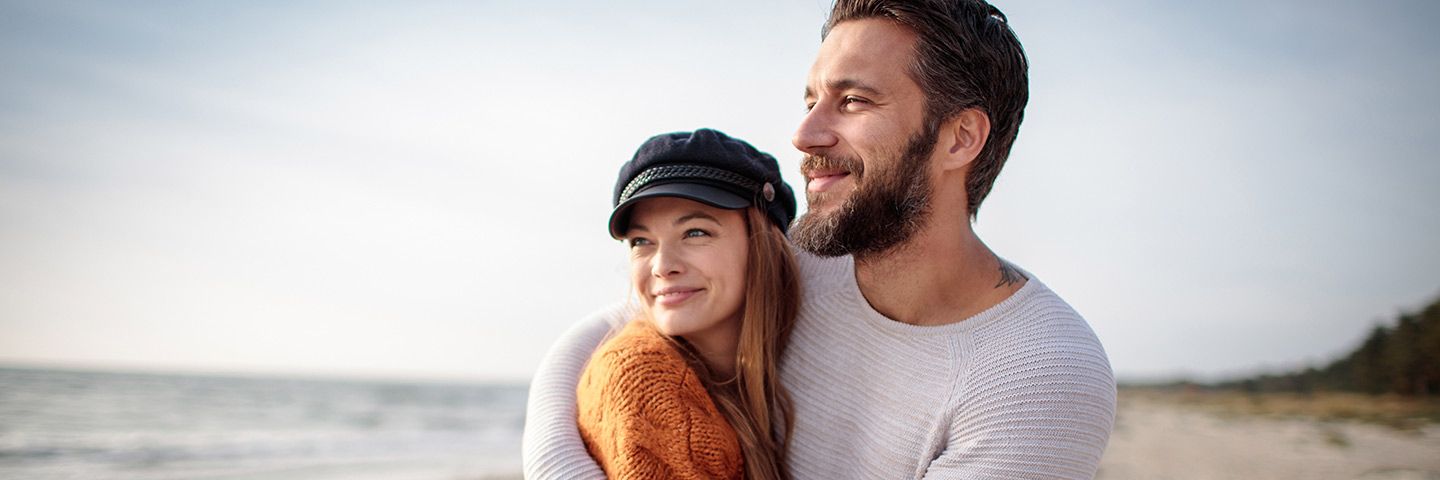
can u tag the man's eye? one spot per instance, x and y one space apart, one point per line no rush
695 232
853 99
638 242
809 106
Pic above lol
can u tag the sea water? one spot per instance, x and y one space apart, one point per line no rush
91 425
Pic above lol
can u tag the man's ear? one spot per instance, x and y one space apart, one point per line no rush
962 137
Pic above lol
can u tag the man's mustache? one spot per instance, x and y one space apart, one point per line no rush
811 163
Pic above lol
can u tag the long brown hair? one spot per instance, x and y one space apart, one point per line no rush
755 403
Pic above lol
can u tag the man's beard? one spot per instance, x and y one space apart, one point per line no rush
883 211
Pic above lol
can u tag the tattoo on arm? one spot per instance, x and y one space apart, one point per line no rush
1009 274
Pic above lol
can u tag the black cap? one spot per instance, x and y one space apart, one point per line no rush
705 166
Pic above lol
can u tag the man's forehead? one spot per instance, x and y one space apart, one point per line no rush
876 33
866 54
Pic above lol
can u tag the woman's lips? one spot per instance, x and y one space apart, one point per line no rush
674 296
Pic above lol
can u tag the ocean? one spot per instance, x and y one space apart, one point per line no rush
142 426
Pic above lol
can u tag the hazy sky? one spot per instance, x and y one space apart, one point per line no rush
420 189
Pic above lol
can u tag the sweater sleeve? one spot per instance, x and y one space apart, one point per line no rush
1042 410
551 444
644 414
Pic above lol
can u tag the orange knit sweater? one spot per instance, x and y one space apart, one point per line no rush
644 413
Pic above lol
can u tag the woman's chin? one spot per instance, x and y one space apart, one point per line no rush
667 326
673 322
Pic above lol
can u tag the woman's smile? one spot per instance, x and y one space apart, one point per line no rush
675 296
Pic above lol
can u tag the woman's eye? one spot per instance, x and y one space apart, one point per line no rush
695 232
638 242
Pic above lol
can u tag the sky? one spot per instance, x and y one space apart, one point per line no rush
420 189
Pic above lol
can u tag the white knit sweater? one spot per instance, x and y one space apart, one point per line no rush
1021 390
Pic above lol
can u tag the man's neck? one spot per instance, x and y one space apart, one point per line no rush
941 275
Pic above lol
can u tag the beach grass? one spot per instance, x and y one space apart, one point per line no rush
1402 413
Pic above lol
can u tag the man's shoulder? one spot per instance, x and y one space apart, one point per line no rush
823 274
1034 309
1038 332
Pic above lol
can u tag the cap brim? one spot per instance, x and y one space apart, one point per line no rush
712 196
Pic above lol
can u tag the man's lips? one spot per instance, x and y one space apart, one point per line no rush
672 296
821 180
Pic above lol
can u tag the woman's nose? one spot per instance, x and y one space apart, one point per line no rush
666 262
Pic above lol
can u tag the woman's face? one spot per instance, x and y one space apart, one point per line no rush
687 264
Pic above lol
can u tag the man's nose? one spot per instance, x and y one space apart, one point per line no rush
815 132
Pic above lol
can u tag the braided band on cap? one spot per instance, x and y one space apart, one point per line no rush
667 172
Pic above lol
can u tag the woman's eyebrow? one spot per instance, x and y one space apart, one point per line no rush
694 215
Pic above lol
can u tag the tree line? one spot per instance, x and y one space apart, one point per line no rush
1401 358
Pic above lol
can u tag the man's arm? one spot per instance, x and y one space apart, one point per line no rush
552 448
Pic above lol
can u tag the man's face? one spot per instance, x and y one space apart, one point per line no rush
867 148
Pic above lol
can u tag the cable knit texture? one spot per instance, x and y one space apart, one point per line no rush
1022 390
644 413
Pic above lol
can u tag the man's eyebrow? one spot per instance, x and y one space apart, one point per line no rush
694 215
852 84
845 84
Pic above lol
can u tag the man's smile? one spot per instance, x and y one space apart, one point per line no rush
822 180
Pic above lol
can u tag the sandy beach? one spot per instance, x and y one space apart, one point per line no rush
1159 437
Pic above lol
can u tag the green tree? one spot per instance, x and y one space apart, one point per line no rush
1403 359
1368 372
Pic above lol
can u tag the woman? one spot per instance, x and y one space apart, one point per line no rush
690 388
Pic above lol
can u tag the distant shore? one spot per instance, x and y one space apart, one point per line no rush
1195 434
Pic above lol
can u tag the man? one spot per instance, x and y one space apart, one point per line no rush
918 352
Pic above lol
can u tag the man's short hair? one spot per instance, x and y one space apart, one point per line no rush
966 56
